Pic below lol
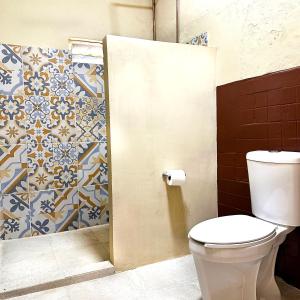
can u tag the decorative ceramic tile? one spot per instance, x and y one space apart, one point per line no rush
104 217
67 220
91 157
39 133
66 199
103 173
60 61
65 176
10 57
40 155
88 119
100 87
11 82
85 85
84 68
102 109
42 224
63 119
61 84
16 216
40 125
38 121
16 228
42 202
38 108
88 164
36 83
35 59
13 169
89 153
200 40
66 209
15 206
64 154
40 178
12 120
102 131
100 71
2 232
93 204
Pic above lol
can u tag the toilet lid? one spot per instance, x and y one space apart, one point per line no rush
234 229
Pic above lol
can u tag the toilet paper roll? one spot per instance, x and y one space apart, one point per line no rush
175 177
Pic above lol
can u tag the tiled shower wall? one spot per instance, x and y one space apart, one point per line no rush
261 113
53 150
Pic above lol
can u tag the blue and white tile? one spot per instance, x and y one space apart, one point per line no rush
16 228
36 83
40 178
65 176
60 61
88 119
10 57
100 70
62 84
64 154
12 120
35 59
100 87
66 209
93 206
15 206
38 120
85 85
11 82
84 68
42 224
67 220
13 169
63 119
42 202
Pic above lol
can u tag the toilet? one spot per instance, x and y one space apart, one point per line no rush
235 255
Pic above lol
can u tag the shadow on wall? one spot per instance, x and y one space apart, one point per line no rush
177 213
114 13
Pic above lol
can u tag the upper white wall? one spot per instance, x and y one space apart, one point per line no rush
253 37
51 23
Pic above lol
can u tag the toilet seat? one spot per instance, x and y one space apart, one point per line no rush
233 232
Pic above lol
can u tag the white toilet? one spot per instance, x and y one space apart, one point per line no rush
235 255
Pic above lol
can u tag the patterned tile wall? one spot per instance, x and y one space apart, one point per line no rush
199 40
53 149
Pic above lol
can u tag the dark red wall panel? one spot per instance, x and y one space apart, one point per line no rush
261 113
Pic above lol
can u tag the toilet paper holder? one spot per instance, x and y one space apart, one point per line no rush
166 174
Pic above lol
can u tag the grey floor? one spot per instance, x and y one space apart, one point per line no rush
168 280
30 261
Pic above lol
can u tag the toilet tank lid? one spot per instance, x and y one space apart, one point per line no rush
278 157
234 229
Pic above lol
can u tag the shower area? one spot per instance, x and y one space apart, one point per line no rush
53 166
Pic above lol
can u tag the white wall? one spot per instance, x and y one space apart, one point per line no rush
51 23
253 37
162 111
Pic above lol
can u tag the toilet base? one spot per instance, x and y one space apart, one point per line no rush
235 274
216 284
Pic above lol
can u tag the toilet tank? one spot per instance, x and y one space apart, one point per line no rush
274 179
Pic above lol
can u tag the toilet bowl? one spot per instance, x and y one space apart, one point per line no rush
235 255
234 266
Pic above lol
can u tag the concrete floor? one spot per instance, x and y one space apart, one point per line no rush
168 280
36 260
